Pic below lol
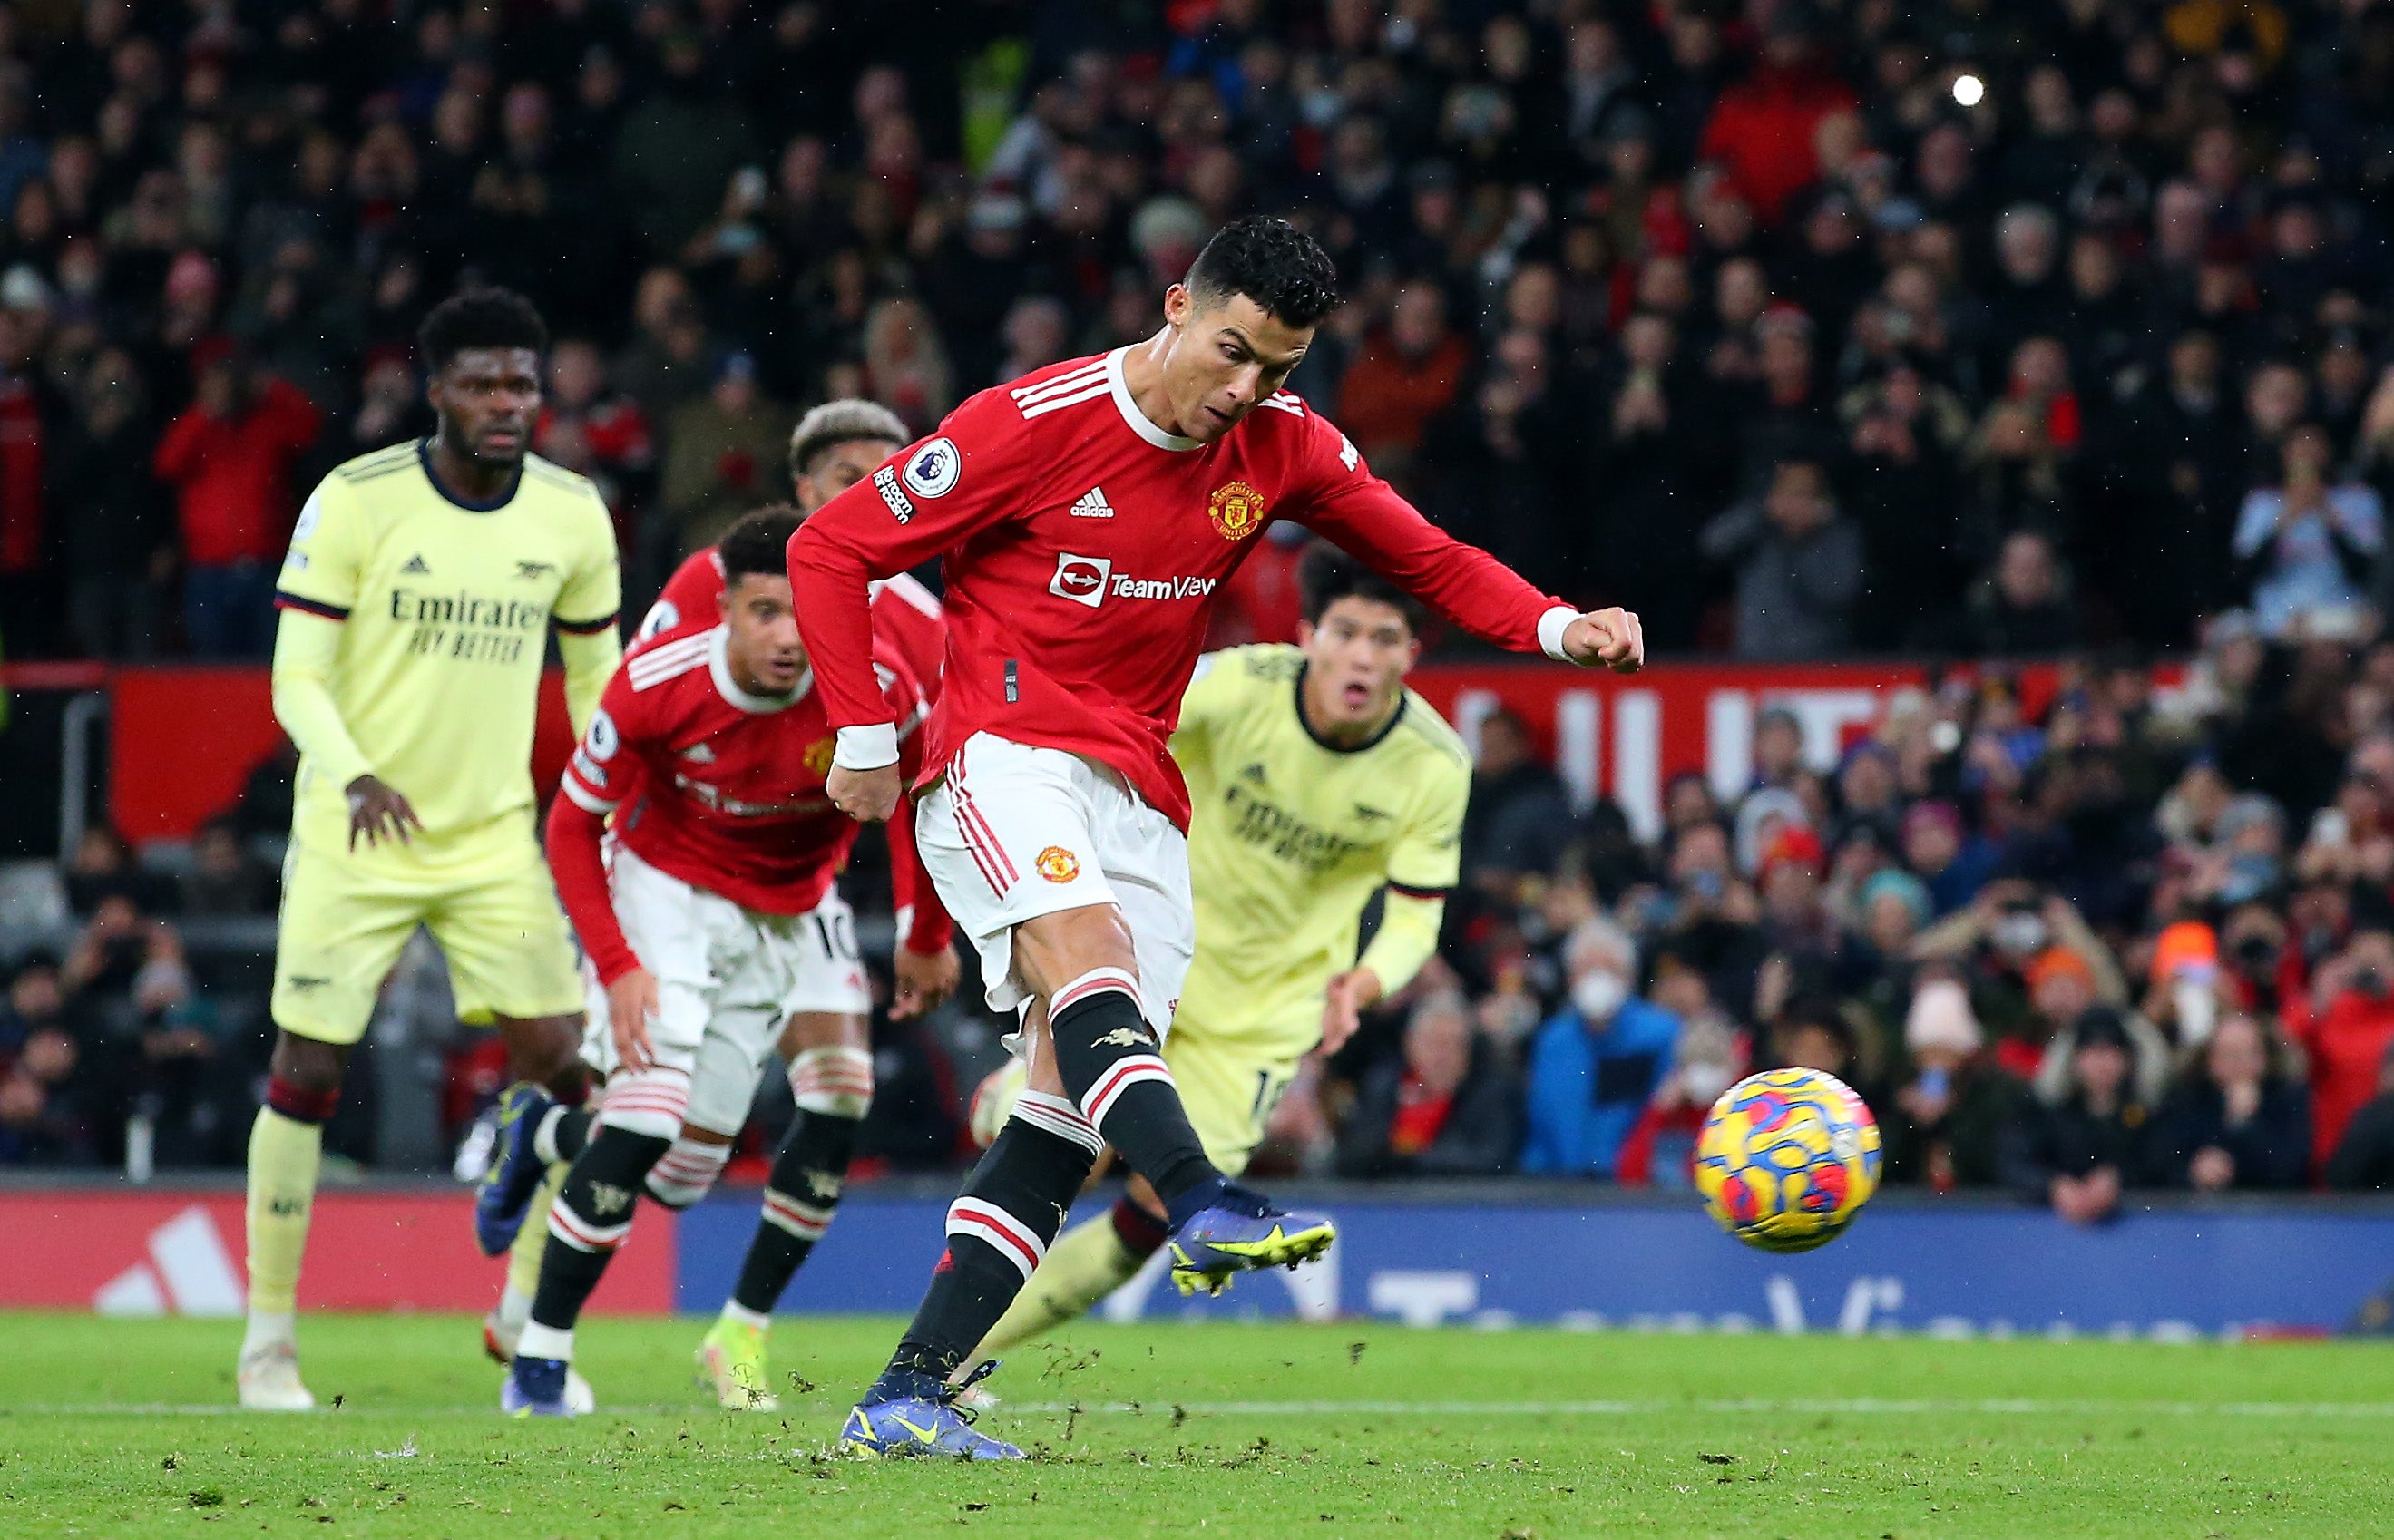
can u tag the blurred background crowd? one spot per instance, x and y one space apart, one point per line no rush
1975 331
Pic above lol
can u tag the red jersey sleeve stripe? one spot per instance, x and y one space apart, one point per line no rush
286 600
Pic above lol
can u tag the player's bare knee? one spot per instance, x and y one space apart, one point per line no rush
543 1050
304 1064
823 1028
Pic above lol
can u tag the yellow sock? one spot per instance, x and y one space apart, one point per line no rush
524 1259
1086 1263
283 1155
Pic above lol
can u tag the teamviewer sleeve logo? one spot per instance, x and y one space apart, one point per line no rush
1080 579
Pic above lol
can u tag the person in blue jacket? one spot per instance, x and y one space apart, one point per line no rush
1596 1063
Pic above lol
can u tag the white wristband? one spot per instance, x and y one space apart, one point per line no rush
867 747
1551 626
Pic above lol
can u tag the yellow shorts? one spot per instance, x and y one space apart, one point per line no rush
487 898
1232 1073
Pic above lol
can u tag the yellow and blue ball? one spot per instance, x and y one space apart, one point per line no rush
1787 1158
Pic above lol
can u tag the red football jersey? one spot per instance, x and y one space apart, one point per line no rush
1084 546
905 614
714 785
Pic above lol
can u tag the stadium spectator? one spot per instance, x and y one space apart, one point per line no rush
1517 805
2345 1023
1942 1128
1797 564
2233 1119
1596 1063
1444 1108
2075 1156
44 1085
2307 549
229 457
2364 1158
723 455
2022 607
1411 370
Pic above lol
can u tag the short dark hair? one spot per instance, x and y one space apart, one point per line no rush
1271 262
1326 574
479 318
842 422
759 543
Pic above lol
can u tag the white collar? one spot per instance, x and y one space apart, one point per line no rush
718 664
1140 423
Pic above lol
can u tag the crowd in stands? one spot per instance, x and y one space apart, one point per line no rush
1759 317
2126 937
1729 309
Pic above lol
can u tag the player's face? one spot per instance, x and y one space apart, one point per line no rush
488 399
839 467
764 651
1224 360
1356 658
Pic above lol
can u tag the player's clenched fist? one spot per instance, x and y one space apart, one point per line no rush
869 796
1611 638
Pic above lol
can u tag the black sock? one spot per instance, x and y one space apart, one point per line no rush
566 1134
799 1197
1113 1070
998 1229
590 1218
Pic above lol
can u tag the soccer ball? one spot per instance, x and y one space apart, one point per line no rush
1787 1158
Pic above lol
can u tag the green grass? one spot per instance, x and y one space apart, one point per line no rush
1358 1428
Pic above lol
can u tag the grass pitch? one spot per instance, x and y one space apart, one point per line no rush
125 1428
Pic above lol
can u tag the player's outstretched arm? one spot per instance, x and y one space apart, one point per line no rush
1356 509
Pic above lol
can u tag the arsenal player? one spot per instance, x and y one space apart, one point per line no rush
715 921
1088 514
834 447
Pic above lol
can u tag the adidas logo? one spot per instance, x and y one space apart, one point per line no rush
1252 773
416 566
698 753
1092 503
188 1271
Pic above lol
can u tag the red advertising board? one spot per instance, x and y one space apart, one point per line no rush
162 1252
183 739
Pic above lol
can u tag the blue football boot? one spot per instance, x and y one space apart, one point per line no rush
515 1172
1239 1233
536 1387
914 1415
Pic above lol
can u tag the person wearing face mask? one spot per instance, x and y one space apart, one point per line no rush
1598 1061
2345 1024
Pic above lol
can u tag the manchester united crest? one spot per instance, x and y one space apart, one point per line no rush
1237 510
819 755
1058 864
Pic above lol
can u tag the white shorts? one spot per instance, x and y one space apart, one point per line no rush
727 979
1012 832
